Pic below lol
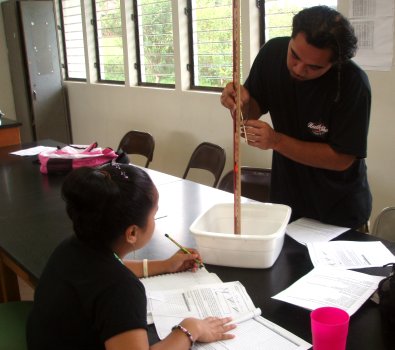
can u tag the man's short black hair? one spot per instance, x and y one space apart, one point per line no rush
324 28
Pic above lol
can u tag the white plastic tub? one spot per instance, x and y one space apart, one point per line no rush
259 244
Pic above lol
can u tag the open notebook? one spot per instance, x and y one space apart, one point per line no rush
166 295
170 307
176 281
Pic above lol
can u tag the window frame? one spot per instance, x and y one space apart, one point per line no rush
97 52
64 48
191 63
137 64
260 4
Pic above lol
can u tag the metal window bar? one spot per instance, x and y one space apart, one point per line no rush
72 39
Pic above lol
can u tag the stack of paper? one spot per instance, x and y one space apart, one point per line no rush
344 289
330 283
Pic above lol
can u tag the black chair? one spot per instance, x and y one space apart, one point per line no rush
255 183
138 142
208 156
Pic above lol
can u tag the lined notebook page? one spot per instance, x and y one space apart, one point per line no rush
179 280
258 333
176 281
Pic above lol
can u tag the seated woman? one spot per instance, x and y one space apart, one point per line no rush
88 297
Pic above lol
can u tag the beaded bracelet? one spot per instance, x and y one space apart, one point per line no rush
186 332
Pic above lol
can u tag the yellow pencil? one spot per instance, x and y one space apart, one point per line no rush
185 250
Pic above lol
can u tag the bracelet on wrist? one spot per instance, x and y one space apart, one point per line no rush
145 268
186 332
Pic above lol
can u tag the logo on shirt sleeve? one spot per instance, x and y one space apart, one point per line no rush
317 129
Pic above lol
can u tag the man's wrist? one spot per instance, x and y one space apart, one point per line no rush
276 140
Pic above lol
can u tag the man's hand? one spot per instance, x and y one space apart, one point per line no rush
228 97
260 134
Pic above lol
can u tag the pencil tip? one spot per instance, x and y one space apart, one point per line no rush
166 235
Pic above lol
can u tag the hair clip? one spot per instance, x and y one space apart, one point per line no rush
123 174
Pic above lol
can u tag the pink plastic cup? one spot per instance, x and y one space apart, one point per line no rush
329 328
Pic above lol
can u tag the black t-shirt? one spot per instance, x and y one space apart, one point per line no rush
333 109
84 297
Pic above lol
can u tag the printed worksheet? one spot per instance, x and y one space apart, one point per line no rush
349 255
220 300
344 289
306 230
175 281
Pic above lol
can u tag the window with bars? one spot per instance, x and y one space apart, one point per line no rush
278 15
210 35
210 43
107 23
73 40
154 42
209 30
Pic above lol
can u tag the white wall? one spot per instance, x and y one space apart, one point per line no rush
180 119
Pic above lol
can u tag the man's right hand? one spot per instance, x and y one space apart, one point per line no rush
228 97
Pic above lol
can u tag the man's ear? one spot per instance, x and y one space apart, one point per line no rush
131 234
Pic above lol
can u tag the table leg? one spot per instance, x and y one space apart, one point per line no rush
9 282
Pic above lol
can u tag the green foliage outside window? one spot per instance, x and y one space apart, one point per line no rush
156 42
109 28
212 46
212 38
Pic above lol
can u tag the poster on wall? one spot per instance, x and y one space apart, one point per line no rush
373 21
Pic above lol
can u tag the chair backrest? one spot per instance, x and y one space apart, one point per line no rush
208 156
138 142
255 183
384 225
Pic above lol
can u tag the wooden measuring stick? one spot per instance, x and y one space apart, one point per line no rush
236 117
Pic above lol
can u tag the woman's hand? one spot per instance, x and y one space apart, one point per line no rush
181 261
209 329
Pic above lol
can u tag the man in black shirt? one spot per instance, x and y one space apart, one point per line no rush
319 103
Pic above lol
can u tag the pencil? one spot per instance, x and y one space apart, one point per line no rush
247 316
185 250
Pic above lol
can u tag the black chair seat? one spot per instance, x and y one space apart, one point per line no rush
255 183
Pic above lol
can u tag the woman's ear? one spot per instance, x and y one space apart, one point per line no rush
131 234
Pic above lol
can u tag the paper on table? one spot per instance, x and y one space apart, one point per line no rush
176 281
258 333
349 255
221 300
308 230
33 151
344 289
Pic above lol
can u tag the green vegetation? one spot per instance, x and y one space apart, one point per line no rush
212 35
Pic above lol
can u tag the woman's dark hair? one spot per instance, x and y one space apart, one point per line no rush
324 28
103 202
